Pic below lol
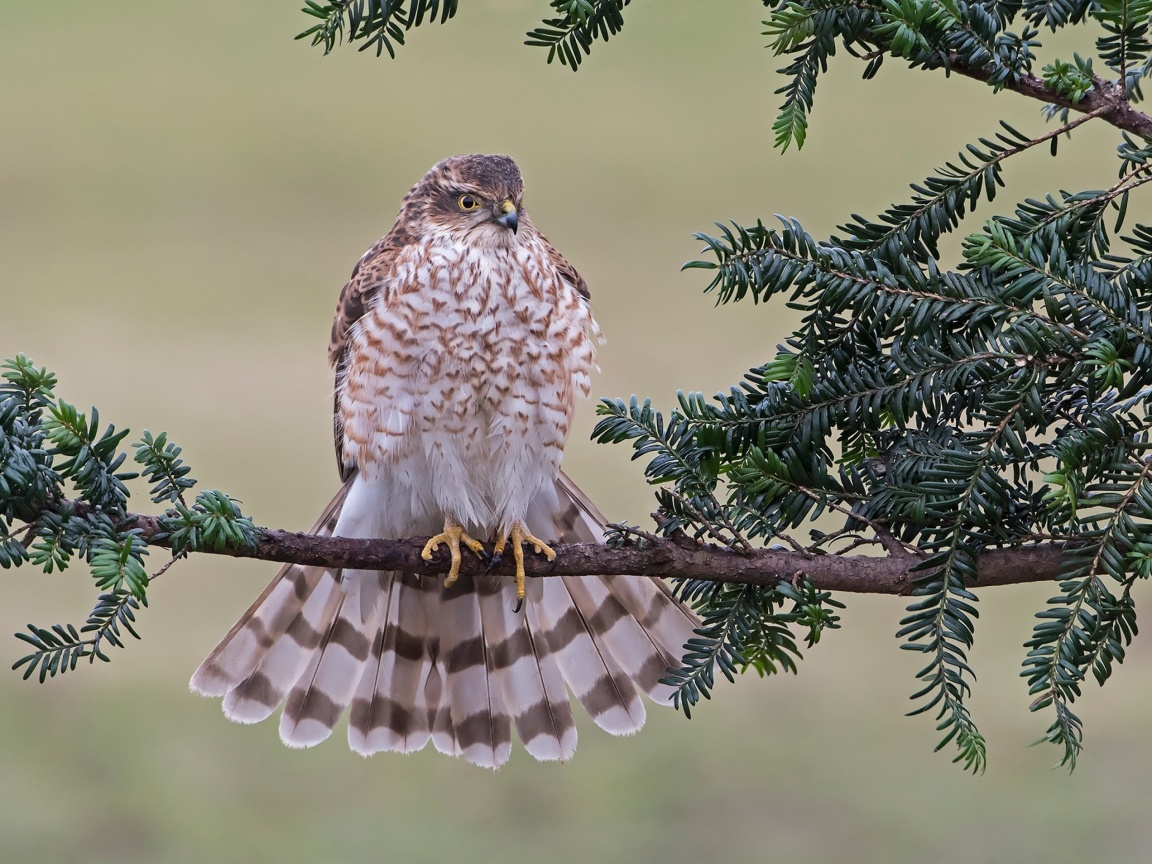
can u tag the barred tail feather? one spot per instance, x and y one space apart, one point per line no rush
533 688
472 693
260 692
645 625
586 664
610 635
389 711
659 622
418 662
436 700
324 691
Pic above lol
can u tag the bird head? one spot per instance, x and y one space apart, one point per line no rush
478 195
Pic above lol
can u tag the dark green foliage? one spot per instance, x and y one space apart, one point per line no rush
1053 14
59 649
63 495
93 459
382 24
212 522
925 34
1125 48
940 202
164 467
569 36
379 24
742 629
1000 402
1070 80
809 32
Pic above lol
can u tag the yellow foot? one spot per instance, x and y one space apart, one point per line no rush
452 536
520 536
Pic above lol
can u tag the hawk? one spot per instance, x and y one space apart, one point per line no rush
460 344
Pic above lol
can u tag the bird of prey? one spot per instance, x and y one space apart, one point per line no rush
461 343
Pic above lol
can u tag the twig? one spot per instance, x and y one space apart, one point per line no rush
1104 100
167 564
631 530
737 540
795 546
892 546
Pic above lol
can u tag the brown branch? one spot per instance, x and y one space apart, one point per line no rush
682 558
1104 100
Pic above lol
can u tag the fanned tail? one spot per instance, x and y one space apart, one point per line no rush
417 662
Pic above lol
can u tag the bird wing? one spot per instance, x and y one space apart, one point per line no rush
356 297
564 268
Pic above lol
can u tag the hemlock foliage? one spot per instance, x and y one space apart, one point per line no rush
932 412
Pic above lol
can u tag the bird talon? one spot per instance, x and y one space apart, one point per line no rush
452 536
519 536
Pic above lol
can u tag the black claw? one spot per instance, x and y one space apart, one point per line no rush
519 605
493 561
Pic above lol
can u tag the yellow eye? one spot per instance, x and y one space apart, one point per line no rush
467 202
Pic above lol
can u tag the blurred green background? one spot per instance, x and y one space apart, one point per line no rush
186 188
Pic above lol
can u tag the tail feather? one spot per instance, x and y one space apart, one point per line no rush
473 695
436 699
418 662
256 696
647 626
533 689
389 711
325 689
547 727
660 623
588 667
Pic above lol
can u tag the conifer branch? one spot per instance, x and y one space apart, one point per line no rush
1104 100
673 558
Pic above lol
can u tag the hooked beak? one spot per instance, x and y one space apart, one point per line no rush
509 219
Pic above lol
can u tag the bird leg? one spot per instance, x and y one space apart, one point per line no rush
452 536
519 536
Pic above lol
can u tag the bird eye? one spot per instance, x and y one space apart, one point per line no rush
467 202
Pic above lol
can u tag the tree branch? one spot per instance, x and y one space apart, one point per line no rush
1105 99
670 558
